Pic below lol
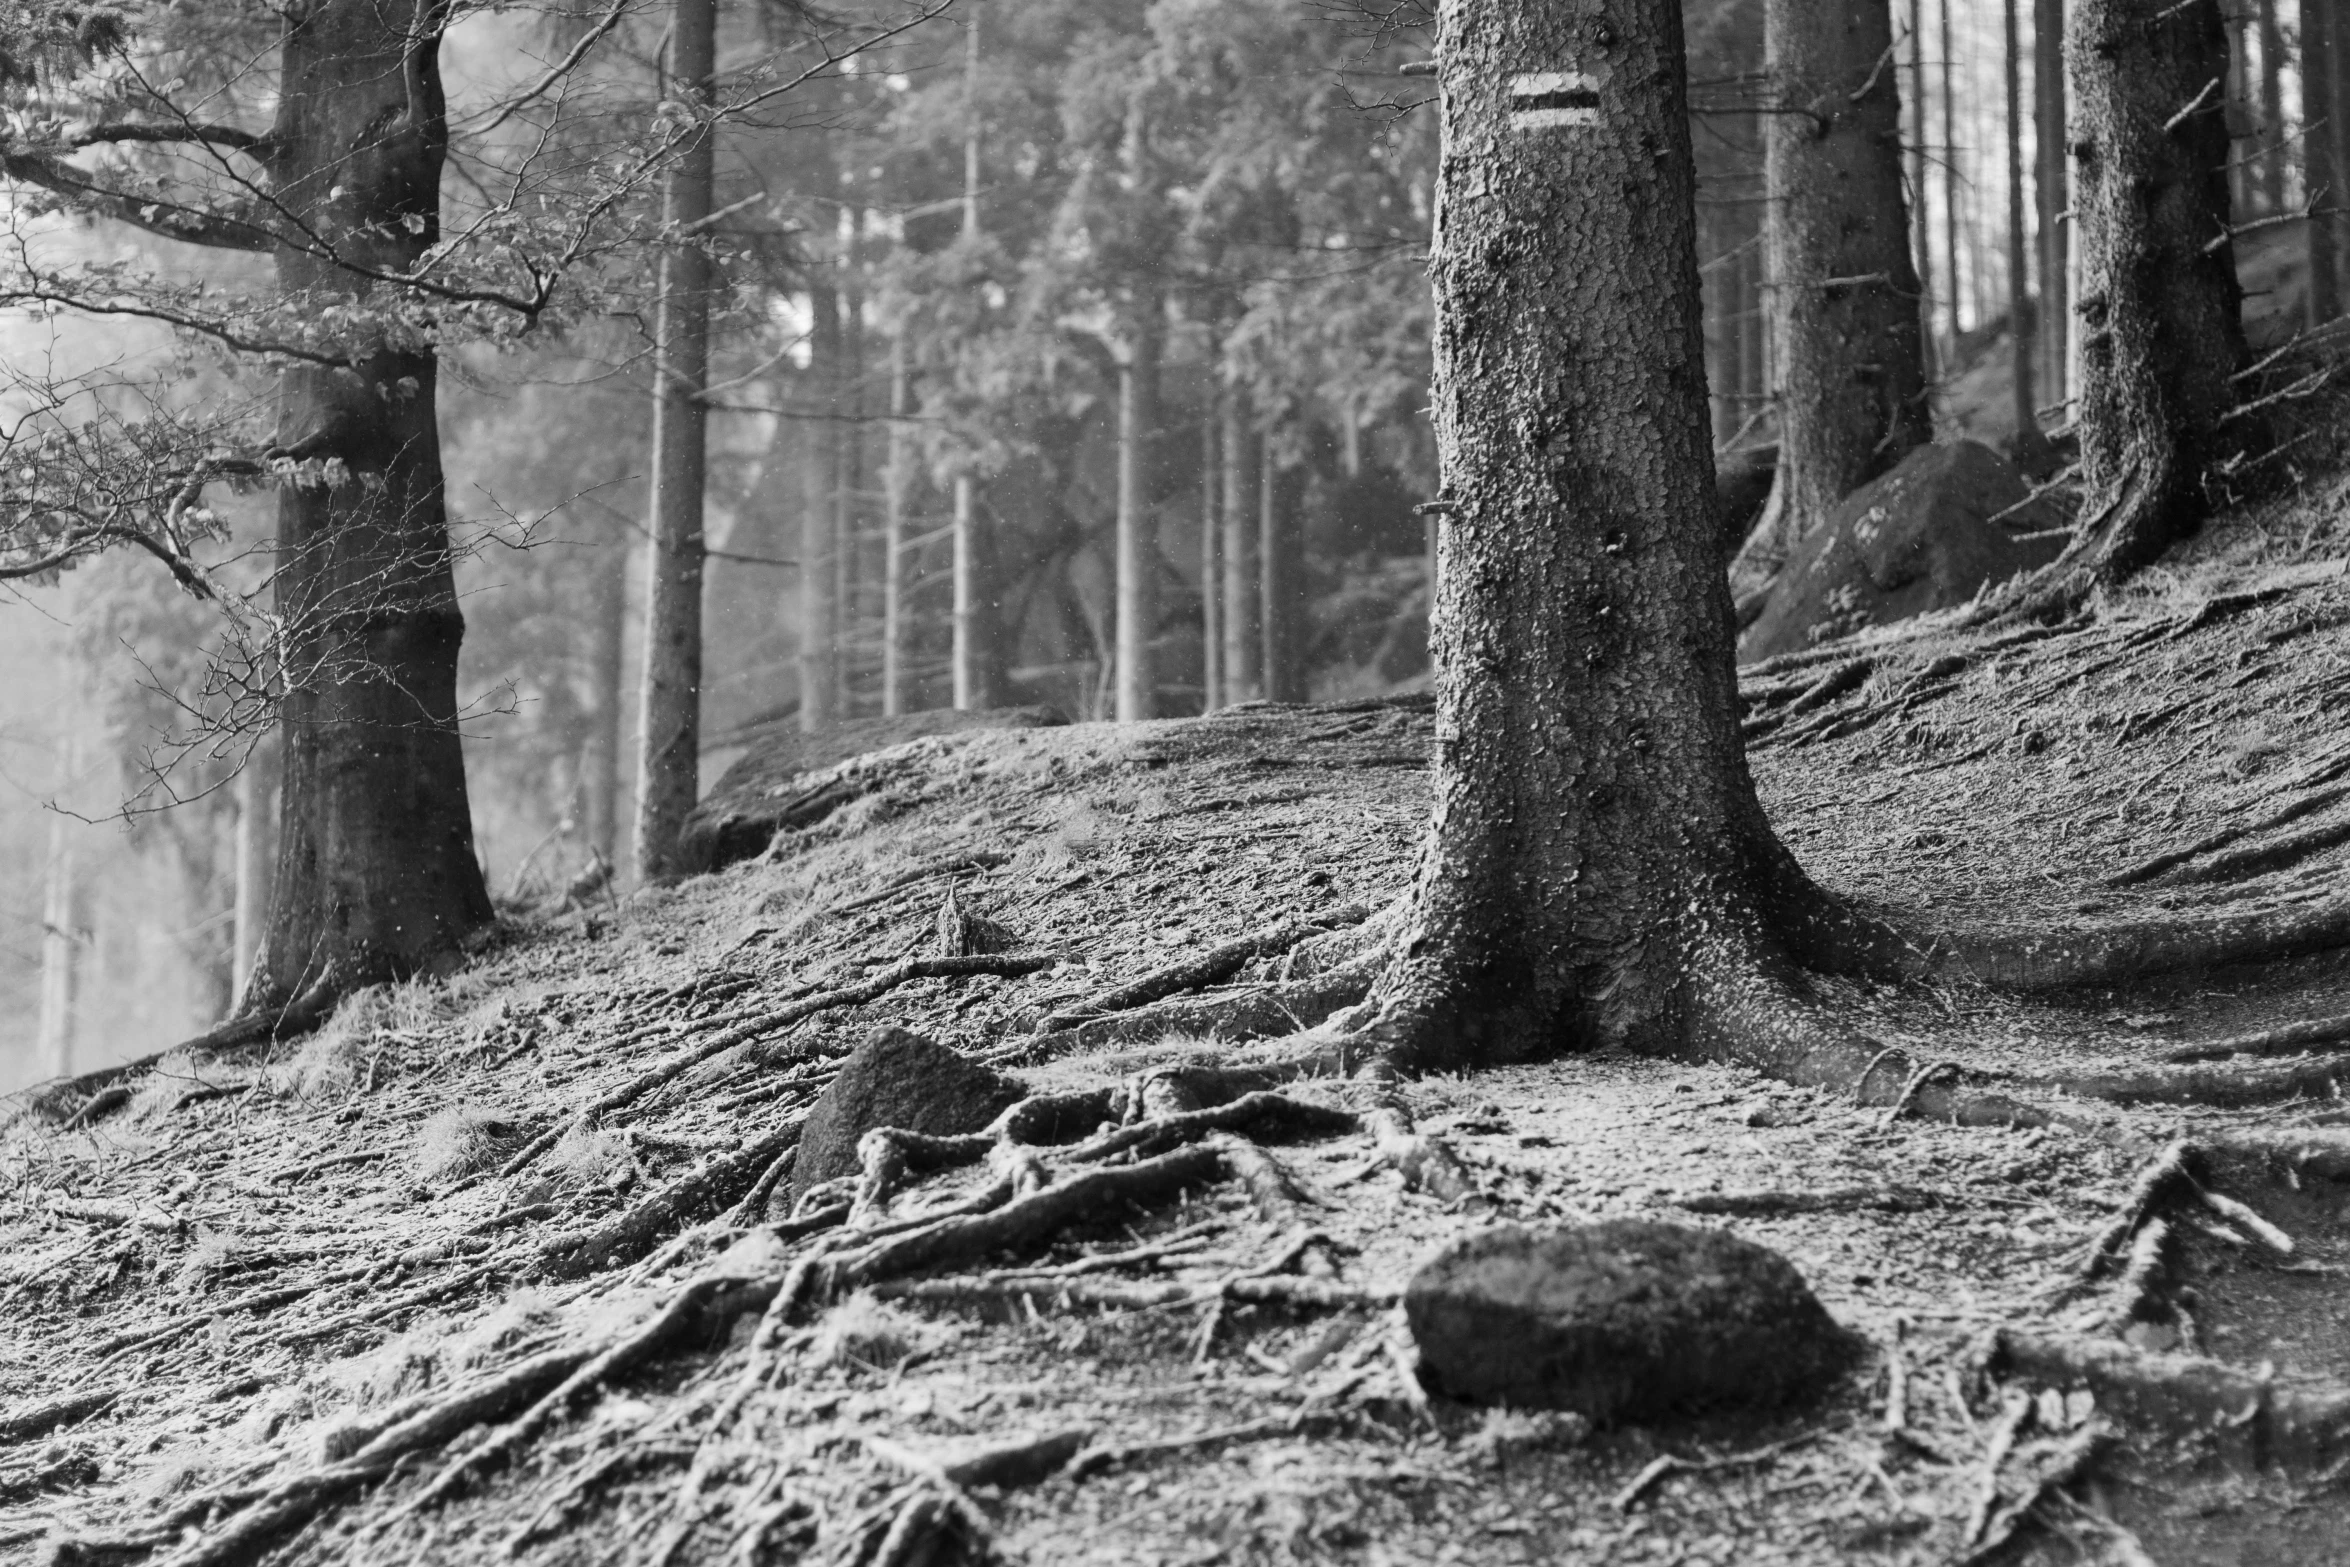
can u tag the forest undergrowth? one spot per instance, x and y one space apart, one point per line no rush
494 1268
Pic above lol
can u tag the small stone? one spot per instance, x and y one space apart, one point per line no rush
895 1078
1630 1320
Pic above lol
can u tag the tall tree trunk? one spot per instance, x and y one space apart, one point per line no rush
2049 195
1242 653
1593 807
2337 53
897 477
1921 227
669 723
1280 580
2321 177
2022 334
2163 332
376 876
974 655
2272 110
1953 176
1138 531
1843 304
607 612
61 935
256 864
820 520
1211 563
849 531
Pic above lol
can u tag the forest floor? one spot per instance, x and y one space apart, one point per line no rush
273 1281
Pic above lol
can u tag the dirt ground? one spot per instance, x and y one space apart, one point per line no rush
261 1265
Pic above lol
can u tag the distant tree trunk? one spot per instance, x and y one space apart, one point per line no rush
669 724
1242 652
1281 583
1211 565
2240 112
1731 335
2022 337
1921 227
975 654
607 614
2337 59
2049 194
377 878
2320 177
2272 109
1843 303
1953 174
896 478
2163 332
819 520
256 864
60 938
850 536
1138 531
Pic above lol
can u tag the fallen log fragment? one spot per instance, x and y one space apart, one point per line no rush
2216 1086
2289 1039
1214 966
1273 1289
34 1420
1830 1199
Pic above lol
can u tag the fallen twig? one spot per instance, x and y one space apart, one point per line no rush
1670 1464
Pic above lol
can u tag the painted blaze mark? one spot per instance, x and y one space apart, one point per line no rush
1541 99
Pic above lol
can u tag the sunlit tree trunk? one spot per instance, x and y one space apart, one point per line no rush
2049 193
1920 217
1211 566
1953 173
669 723
896 478
2022 336
974 655
376 878
1138 541
256 864
1238 450
2272 109
820 519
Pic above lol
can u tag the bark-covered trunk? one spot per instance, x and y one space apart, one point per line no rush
1238 450
1211 568
974 654
60 944
256 865
669 727
2023 336
2048 197
1844 295
607 615
2162 331
2321 178
897 476
2272 109
1952 177
1593 806
376 878
819 521
1280 580
1138 532
1921 246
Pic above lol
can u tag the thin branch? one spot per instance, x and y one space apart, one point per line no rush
560 69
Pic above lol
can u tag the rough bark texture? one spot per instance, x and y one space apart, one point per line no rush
1590 784
2022 328
1844 294
2162 331
256 851
1138 530
376 872
669 729
2320 175
819 535
2048 196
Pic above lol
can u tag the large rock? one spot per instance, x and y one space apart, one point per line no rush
895 1078
1920 538
767 788
1629 1320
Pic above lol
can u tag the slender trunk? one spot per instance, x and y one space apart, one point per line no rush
2337 122
1756 353
1241 649
2163 333
1211 567
848 496
2320 179
256 865
607 610
2239 98
897 476
2049 195
1138 541
376 875
819 523
1590 783
1953 176
1280 577
1920 217
2023 338
61 936
975 655
669 722
2272 110
1736 302
1843 306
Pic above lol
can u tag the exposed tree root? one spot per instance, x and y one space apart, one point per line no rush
1248 1289
2048 1469
2223 1087
1426 1163
2293 1421
1831 1199
93 1095
880 984
2322 1151
1255 1013
1212 967
2110 955
35 1420
700 1194
2290 1039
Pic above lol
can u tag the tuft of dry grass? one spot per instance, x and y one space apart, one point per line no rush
586 1157
865 1331
457 1140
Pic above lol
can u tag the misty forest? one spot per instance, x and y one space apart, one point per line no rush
894 783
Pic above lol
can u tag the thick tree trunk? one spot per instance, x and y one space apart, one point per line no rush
376 877
896 479
256 865
2162 325
1590 781
1242 680
1844 296
669 725
975 656
1280 581
2320 176
2048 194
2272 110
1138 532
1211 567
820 522
2023 338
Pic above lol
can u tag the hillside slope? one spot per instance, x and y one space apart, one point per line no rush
270 1304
